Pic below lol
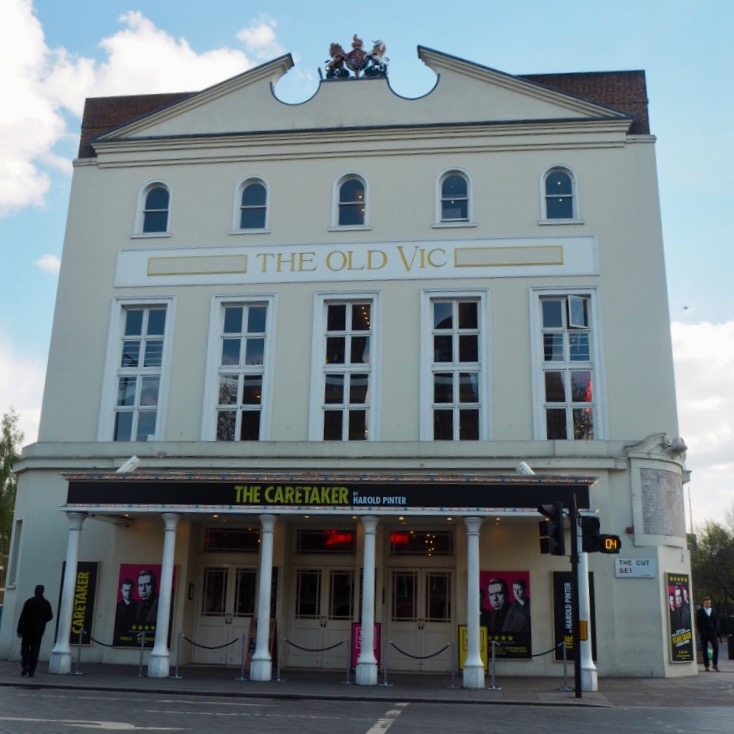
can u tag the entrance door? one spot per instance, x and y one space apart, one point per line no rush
420 620
322 618
227 606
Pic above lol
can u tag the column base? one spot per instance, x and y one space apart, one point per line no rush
158 665
366 674
473 676
589 680
59 663
261 670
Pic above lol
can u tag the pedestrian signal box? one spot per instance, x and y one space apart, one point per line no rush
610 543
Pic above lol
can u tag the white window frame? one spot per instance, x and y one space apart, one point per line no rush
575 217
140 211
237 208
335 200
211 389
318 366
428 296
106 424
439 222
597 364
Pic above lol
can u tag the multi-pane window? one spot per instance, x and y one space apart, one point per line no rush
241 371
253 205
351 202
139 373
559 195
568 371
455 369
347 372
454 198
155 209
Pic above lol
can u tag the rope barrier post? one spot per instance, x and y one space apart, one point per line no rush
142 650
78 653
453 664
349 663
384 668
565 687
178 655
242 662
492 686
280 657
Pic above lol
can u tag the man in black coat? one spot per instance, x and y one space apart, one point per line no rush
707 626
31 626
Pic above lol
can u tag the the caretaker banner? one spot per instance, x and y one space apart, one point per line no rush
82 611
563 614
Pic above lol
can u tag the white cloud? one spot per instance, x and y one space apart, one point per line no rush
704 363
260 38
21 386
49 263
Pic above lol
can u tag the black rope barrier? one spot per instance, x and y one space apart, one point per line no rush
313 649
99 642
211 647
419 657
547 652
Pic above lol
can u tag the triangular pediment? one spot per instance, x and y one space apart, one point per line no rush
464 92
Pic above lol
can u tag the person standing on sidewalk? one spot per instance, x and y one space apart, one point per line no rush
707 626
31 626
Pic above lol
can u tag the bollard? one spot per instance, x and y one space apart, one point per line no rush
142 650
242 662
178 655
78 653
565 687
493 687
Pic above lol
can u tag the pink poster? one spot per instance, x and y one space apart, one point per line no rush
504 602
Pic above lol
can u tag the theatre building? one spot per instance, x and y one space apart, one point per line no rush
314 367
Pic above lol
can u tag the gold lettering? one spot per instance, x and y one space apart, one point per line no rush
436 264
350 263
304 259
374 266
265 256
408 264
337 267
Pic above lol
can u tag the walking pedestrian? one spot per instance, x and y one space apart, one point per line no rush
707 625
31 626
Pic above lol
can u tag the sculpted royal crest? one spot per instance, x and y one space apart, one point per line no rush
357 61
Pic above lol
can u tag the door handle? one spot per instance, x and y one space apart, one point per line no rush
322 621
228 618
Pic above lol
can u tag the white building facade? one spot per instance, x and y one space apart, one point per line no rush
317 339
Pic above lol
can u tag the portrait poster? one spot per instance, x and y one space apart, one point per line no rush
82 610
563 615
136 612
504 604
679 616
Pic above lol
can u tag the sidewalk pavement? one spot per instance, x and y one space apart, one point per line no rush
703 690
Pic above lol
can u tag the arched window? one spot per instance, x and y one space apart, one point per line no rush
559 194
454 198
253 205
352 202
155 208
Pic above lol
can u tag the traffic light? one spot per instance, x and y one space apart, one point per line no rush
590 537
552 534
610 543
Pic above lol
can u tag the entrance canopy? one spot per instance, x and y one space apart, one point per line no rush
332 493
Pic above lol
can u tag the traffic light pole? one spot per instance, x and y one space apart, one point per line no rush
575 615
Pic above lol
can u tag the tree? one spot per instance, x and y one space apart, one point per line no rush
10 442
712 562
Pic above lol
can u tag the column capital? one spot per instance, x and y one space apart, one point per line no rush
268 522
473 524
76 519
369 522
171 520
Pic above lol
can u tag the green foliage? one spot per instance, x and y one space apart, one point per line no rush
712 561
10 442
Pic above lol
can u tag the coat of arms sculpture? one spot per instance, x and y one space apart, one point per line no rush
357 62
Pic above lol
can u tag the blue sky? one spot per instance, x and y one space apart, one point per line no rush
55 53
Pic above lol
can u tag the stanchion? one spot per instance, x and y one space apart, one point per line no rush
178 655
242 663
78 653
565 687
349 664
453 666
142 651
384 667
493 687
280 657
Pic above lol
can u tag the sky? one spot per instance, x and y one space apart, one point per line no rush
56 53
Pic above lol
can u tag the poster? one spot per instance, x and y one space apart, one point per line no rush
563 614
504 603
679 615
137 604
82 610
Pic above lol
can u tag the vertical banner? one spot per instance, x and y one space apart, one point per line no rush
504 603
85 590
137 604
563 614
679 615
357 642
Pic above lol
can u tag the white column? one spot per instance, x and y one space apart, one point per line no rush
60 660
473 665
589 679
366 673
158 662
261 665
